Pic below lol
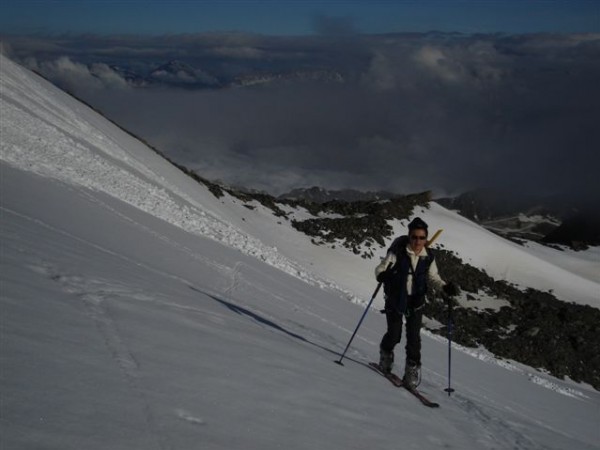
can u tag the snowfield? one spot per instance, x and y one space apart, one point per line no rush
138 311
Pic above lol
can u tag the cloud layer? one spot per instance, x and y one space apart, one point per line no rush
414 111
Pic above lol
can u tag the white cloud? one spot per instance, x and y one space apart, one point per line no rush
380 75
74 75
439 64
107 76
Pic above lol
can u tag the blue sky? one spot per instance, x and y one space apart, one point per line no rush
295 17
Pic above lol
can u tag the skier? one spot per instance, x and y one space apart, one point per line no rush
405 272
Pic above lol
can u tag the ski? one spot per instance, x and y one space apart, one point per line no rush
424 400
397 381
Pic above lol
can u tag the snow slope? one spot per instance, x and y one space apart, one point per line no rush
140 312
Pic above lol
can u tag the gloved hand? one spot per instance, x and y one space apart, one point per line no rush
384 276
451 289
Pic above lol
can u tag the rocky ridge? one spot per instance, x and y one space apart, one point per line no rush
359 226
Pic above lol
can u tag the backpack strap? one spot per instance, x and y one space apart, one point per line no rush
399 245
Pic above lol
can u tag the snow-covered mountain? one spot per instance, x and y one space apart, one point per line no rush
139 310
296 76
178 73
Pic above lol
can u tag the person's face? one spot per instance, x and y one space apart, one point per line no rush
417 238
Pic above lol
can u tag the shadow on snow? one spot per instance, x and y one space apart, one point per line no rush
240 310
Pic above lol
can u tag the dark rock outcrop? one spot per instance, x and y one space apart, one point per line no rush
536 328
577 231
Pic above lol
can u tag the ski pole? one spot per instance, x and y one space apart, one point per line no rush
359 324
449 389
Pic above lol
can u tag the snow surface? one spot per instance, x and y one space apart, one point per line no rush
140 312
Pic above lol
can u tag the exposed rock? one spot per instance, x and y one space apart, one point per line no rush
362 222
536 329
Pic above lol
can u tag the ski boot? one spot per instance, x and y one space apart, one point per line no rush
386 361
412 375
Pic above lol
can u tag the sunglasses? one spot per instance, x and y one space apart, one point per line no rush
418 238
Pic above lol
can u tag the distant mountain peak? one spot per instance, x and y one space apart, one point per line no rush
318 194
179 73
265 78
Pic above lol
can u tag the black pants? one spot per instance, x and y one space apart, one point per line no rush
393 335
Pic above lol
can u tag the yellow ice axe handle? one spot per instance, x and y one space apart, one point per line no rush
433 238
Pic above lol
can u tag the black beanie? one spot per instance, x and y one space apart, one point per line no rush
417 224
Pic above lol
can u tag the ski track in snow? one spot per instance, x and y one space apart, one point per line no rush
94 294
507 434
501 433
